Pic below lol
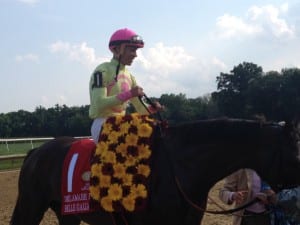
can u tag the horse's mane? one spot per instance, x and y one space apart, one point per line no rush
223 127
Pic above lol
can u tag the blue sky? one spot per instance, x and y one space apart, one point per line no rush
49 48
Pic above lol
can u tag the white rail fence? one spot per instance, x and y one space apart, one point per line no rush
31 141
22 140
12 157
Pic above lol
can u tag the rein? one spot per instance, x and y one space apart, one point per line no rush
162 123
148 100
200 209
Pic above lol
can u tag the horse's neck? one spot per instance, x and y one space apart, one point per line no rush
200 166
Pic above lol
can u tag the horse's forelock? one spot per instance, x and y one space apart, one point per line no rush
292 130
296 135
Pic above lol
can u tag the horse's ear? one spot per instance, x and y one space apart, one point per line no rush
288 126
297 131
297 123
294 127
297 127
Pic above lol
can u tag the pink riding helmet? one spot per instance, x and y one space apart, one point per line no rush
125 36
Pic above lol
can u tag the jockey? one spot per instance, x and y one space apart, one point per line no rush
112 86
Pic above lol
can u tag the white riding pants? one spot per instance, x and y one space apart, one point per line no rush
96 128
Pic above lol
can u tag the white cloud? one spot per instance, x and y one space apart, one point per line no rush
284 7
166 69
269 18
159 69
164 60
61 99
50 101
231 26
266 20
218 63
77 52
29 2
28 57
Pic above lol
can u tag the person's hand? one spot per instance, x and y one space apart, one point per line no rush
263 197
137 91
239 196
271 197
267 197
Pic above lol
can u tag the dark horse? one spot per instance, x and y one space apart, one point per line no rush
196 154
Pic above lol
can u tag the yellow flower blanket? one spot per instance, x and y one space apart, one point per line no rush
120 167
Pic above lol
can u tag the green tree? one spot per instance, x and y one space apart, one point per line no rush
5 128
231 94
20 123
290 94
264 96
177 107
79 123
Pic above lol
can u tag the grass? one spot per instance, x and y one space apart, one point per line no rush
18 147
11 164
15 148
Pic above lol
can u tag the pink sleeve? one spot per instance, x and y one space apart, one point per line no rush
124 96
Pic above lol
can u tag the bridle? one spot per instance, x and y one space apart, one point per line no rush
148 100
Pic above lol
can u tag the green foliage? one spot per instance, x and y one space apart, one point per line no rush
179 108
248 91
53 122
74 121
233 88
264 96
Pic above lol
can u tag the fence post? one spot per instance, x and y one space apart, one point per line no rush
7 146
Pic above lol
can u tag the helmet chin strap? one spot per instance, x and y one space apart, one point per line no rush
118 68
122 48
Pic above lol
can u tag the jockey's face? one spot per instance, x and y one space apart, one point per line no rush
128 53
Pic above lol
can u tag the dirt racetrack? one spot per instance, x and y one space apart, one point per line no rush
8 195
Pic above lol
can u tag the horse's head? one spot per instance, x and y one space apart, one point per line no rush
282 169
292 131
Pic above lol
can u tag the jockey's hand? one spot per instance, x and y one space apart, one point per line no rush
137 91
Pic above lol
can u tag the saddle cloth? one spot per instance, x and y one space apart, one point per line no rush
120 168
76 178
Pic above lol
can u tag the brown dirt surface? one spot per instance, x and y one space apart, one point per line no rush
8 196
